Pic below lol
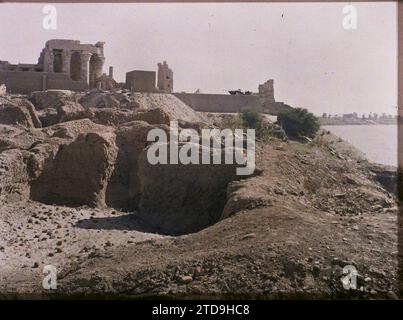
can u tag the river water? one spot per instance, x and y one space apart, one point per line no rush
378 142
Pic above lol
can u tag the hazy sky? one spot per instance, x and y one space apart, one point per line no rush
314 61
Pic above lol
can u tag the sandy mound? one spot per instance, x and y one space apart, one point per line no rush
172 106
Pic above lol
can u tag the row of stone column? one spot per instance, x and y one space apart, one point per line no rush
66 63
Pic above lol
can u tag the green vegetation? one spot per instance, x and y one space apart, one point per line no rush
264 129
251 118
298 123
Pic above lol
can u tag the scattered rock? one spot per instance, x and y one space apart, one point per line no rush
248 236
99 99
19 112
392 295
186 279
51 98
70 111
3 90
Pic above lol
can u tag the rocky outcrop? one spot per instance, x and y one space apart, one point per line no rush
67 111
240 197
44 151
81 162
79 173
386 176
110 117
105 116
51 98
72 129
153 116
14 179
17 137
99 99
70 111
18 112
111 108
93 153
124 190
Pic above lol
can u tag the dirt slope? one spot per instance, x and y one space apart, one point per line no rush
77 193
289 235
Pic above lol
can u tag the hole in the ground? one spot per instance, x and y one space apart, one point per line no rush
133 222
104 170
174 203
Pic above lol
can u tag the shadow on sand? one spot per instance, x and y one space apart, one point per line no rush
130 222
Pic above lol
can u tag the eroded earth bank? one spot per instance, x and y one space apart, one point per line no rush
77 192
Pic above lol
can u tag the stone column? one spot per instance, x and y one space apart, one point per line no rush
66 61
99 67
85 61
96 70
48 61
44 82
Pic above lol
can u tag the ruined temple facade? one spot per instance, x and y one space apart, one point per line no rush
62 64
165 82
71 65
81 62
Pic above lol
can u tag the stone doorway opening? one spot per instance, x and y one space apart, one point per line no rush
57 61
75 66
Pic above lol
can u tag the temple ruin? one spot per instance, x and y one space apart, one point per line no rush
144 81
71 65
140 81
62 64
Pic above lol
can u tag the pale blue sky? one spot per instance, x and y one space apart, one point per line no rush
314 61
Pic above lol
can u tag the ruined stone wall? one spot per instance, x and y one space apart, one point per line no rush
61 81
165 78
26 81
220 102
266 91
140 81
21 81
262 102
226 103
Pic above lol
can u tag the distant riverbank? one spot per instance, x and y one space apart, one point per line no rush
355 121
378 142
